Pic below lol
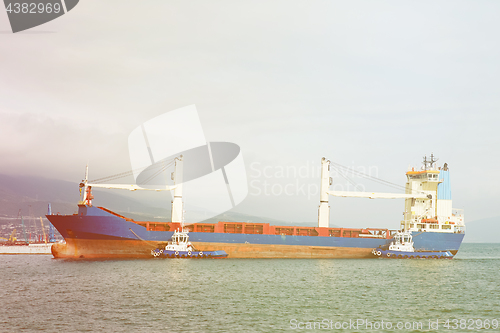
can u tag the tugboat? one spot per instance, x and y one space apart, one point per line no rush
402 248
181 247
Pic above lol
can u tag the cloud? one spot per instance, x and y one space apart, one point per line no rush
56 147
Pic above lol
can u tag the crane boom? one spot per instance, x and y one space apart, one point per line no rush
130 187
377 195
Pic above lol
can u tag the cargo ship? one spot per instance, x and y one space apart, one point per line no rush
97 232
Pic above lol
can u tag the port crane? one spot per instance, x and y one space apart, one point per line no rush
12 238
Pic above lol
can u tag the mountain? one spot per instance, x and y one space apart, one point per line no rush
33 194
483 231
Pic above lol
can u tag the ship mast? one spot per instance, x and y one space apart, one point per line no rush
429 164
324 208
177 205
86 189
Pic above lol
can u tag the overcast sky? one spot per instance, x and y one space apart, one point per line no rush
373 85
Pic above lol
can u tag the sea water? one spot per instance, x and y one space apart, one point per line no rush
40 293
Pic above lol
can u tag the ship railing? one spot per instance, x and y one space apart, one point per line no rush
424 215
372 236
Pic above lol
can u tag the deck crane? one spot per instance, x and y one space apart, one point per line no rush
326 181
177 177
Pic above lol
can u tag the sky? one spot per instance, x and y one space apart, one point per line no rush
373 85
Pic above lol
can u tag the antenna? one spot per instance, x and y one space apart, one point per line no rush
177 206
432 161
429 163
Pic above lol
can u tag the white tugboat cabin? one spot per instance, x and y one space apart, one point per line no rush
403 242
180 242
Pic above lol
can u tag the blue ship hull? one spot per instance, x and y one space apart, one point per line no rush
96 233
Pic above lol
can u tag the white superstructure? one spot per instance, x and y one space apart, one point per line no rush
436 214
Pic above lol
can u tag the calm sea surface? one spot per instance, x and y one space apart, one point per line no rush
233 295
